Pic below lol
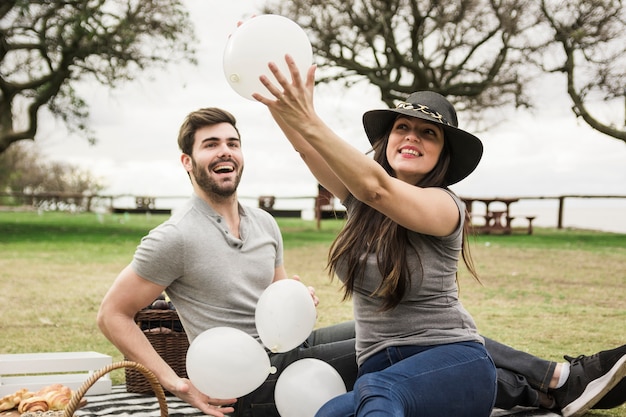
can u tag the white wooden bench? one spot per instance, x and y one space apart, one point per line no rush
37 370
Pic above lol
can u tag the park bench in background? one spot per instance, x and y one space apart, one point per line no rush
143 204
325 206
496 221
266 202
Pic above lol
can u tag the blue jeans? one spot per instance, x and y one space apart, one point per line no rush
457 379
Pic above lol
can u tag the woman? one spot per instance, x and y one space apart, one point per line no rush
418 350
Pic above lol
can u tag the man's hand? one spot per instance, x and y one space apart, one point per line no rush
210 406
316 300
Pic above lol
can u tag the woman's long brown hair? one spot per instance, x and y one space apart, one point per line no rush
369 231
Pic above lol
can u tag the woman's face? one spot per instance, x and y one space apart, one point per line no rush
414 147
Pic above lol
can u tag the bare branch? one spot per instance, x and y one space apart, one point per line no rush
46 46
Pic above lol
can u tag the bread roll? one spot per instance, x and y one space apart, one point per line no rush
11 401
58 400
33 404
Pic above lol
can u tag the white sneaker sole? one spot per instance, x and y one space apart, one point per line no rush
596 390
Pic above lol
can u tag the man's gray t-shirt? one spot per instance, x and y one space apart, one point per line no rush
213 278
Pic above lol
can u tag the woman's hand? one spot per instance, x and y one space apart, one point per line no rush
210 406
293 101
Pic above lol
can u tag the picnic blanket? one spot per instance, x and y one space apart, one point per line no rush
123 404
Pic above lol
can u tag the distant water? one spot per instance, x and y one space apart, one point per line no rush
589 213
596 214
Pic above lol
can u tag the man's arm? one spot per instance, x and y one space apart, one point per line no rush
129 294
279 273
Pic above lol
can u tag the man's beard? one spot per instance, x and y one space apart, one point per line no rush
212 187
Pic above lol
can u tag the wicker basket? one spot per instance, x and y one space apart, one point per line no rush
171 344
77 396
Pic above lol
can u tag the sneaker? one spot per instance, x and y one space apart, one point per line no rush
614 398
591 377
546 401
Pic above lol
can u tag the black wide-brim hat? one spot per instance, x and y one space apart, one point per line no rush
466 150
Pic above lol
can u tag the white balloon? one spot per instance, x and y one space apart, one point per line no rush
285 315
258 41
224 362
305 386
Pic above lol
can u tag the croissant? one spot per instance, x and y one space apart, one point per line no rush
58 400
11 401
33 404
51 388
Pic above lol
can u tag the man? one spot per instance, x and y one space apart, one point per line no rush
571 387
215 257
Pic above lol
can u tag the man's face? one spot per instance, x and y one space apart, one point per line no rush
217 160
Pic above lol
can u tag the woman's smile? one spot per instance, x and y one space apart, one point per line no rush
411 151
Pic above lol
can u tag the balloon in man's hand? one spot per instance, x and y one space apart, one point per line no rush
225 362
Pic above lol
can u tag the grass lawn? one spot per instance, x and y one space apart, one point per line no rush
552 293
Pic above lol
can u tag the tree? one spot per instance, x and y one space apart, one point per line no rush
28 178
478 53
591 39
469 50
20 169
48 46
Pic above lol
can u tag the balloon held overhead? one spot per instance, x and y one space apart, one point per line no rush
258 41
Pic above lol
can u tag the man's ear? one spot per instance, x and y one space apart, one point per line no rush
186 161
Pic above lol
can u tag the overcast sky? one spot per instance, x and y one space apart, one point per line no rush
547 152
